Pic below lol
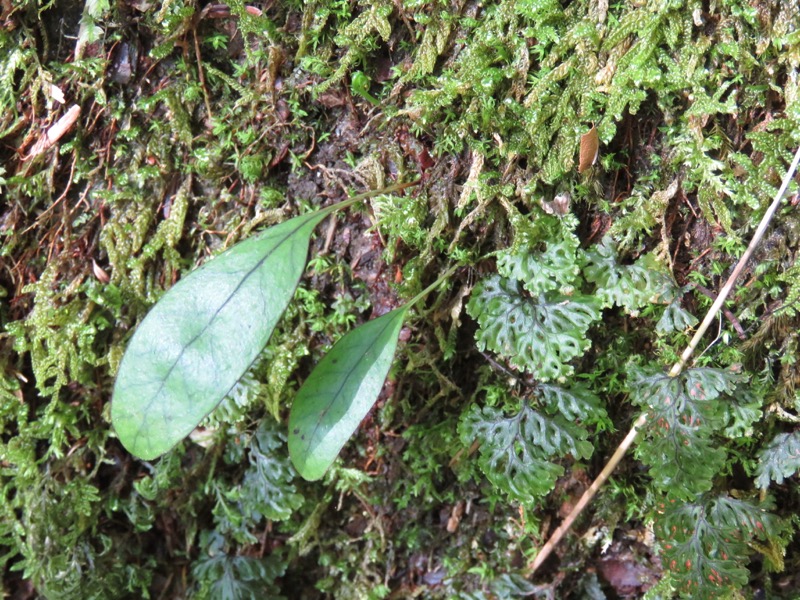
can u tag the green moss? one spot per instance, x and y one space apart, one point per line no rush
697 109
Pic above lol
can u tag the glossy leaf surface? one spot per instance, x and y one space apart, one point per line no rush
540 334
555 268
685 412
779 460
517 450
203 335
340 392
710 541
629 286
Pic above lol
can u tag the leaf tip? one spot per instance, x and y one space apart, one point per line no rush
308 468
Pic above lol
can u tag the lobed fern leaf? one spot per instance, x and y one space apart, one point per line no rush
628 286
742 410
554 268
675 318
539 335
707 542
516 451
265 492
684 412
576 403
267 482
779 460
791 277
222 575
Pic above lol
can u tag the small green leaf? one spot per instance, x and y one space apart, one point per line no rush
675 318
576 403
267 489
203 335
340 392
778 460
359 84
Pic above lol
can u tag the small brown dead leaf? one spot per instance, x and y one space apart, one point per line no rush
101 275
559 205
590 147
455 517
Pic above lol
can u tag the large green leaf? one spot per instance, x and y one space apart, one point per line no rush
340 392
203 335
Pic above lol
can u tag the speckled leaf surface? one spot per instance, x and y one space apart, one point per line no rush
204 334
340 392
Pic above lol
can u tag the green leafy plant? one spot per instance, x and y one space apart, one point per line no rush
696 107
220 575
779 460
536 313
518 452
684 411
707 541
538 309
341 390
541 334
527 314
201 338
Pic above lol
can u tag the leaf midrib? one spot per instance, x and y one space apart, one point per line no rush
344 380
216 313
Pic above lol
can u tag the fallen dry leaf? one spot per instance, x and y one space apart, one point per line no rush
98 271
590 147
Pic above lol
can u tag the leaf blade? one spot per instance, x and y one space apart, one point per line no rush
539 335
340 392
203 335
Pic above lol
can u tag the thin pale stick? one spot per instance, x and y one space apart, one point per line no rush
675 371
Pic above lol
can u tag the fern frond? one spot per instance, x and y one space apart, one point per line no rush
684 412
707 542
539 335
576 403
628 286
554 268
779 460
516 451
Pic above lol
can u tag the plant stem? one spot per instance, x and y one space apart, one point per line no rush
432 286
350 201
674 372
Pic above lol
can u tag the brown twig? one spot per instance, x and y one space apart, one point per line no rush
55 132
728 314
200 74
674 372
